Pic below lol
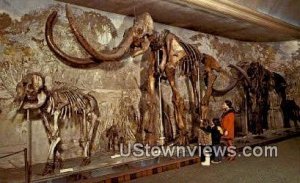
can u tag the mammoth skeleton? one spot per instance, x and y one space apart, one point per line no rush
261 81
59 105
174 53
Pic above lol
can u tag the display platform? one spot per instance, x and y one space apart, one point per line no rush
101 165
122 171
125 169
103 168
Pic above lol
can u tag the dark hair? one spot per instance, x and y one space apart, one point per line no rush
228 103
216 121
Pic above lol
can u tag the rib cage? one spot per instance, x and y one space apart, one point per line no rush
192 60
70 102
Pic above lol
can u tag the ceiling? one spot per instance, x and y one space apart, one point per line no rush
286 10
255 20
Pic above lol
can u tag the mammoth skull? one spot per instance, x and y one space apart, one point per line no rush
31 92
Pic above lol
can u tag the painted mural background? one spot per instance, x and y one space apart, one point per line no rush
118 87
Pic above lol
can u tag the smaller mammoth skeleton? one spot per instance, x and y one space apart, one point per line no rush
60 104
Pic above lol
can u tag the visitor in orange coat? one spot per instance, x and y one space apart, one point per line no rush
227 123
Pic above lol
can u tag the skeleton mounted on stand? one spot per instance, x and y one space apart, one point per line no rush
174 53
55 107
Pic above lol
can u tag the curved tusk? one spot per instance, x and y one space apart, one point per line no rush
65 58
232 83
113 55
221 92
245 75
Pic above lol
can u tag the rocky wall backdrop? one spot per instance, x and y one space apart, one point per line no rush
118 87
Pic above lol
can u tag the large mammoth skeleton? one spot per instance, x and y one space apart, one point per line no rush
169 52
257 95
166 47
56 107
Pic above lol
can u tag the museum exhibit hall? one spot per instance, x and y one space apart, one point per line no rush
149 91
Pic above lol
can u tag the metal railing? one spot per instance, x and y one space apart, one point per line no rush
26 167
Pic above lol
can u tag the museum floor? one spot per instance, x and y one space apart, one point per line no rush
249 169
284 168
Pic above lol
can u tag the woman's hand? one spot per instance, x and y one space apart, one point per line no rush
226 133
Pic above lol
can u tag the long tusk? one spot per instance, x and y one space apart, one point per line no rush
114 55
221 92
242 72
65 58
232 83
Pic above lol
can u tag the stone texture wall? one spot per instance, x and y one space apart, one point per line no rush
118 87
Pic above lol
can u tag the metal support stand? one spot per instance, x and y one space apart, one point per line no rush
27 174
162 137
29 147
272 120
199 93
246 114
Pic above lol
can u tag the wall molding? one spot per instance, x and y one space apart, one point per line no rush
227 7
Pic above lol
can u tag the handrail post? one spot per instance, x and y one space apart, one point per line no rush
29 145
27 175
162 136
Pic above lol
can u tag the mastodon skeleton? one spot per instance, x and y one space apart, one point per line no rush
61 105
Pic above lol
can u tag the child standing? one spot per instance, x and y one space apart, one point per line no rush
216 134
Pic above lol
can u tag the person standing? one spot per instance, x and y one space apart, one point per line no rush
216 134
227 123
